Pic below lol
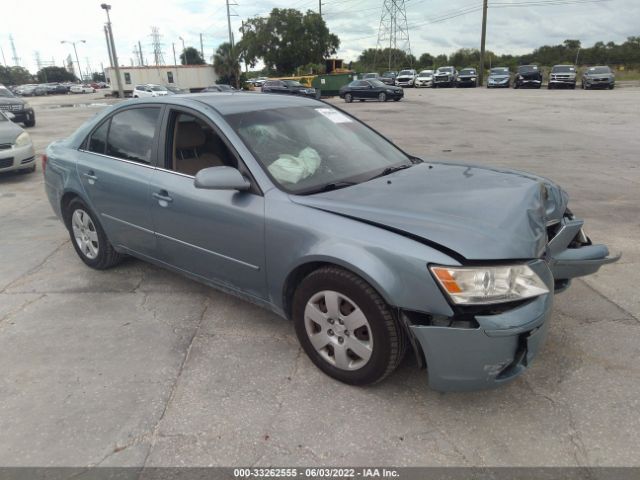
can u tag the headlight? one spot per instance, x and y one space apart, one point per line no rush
486 285
391 91
473 79
520 77
23 140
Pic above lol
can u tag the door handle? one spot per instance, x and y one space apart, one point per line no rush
163 197
90 176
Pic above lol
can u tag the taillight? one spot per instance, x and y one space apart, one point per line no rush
44 162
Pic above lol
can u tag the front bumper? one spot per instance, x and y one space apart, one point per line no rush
465 83
497 351
404 83
529 81
498 83
423 83
17 158
599 83
21 116
562 81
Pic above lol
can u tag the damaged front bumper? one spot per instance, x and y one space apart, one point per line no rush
498 347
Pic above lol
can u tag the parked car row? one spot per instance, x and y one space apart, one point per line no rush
21 111
499 77
36 90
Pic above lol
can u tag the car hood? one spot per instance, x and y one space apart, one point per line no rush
498 77
478 213
11 101
9 131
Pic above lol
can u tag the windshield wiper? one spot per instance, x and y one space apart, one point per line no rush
329 186
390 170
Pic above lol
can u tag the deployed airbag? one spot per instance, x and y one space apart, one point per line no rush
292 169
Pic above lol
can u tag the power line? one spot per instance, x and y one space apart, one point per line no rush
393 32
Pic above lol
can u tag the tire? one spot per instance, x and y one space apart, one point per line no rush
573 87
382 97
348 98
611 87
396 99
97 252
30 124
379 336
361 100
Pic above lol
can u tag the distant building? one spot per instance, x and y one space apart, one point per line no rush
190 77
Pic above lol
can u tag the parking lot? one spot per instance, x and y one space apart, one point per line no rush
139 366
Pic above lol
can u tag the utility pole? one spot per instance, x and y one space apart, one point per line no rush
140 52
229 25
393 32
173 45
106 36
4 60
577 56
482 42
106 8
184 52
320 7
201 48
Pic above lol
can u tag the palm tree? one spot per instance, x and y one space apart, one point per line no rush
226 63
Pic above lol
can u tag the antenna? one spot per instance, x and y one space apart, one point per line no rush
157 46
393 32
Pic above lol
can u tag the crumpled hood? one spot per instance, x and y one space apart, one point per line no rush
498 78
479 213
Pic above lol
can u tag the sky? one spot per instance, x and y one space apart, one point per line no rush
433 25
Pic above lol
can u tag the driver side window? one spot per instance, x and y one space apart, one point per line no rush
194 145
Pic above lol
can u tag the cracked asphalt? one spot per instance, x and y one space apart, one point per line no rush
137 366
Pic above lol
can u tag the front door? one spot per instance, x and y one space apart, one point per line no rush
217 235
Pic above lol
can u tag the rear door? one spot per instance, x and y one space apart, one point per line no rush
217 235
115 172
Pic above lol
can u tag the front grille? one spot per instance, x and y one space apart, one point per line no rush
6 162
5 146
12 108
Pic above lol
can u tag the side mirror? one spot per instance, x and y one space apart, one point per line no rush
221 178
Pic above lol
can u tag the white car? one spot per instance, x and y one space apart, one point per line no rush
82 89
150 90
16 147
424 79
406 78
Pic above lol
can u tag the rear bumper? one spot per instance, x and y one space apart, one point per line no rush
500 349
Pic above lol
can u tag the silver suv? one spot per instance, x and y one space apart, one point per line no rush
562 76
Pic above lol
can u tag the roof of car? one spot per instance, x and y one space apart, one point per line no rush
229 103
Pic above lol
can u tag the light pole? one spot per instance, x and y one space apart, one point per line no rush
76 52
106 8
184 52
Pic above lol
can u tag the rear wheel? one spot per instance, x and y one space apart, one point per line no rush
88 237
348 98
611 87
346 328
30 123
382 97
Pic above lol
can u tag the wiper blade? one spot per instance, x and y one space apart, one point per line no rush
390 170
329 187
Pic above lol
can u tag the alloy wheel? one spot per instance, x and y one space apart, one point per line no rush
85 234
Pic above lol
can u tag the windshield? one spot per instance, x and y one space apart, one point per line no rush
467 71
389 74
291 145
426 73
406 72
293 83
527 68
4 92
599 70
563 69
499 71
445 69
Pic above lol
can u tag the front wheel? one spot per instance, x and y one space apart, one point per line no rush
382 97
346 328
348 98
88 237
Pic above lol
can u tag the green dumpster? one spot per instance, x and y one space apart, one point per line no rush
329 85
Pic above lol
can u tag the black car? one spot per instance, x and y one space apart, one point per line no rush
528 76
598 77
219 88
56 88
389 77
369 90
467 77
22 111
290 87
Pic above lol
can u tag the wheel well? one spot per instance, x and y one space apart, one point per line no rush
64 203
293 280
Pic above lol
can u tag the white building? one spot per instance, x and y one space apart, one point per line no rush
190 77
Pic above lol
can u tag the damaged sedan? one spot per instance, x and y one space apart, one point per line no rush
294 205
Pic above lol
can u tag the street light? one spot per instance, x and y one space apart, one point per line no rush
184 52
76 52
114 57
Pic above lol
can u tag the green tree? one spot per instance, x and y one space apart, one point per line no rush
426 60
191 56
226 63
55 74
287 39
14 75
373 59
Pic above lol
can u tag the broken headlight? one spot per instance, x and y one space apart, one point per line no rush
491 284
